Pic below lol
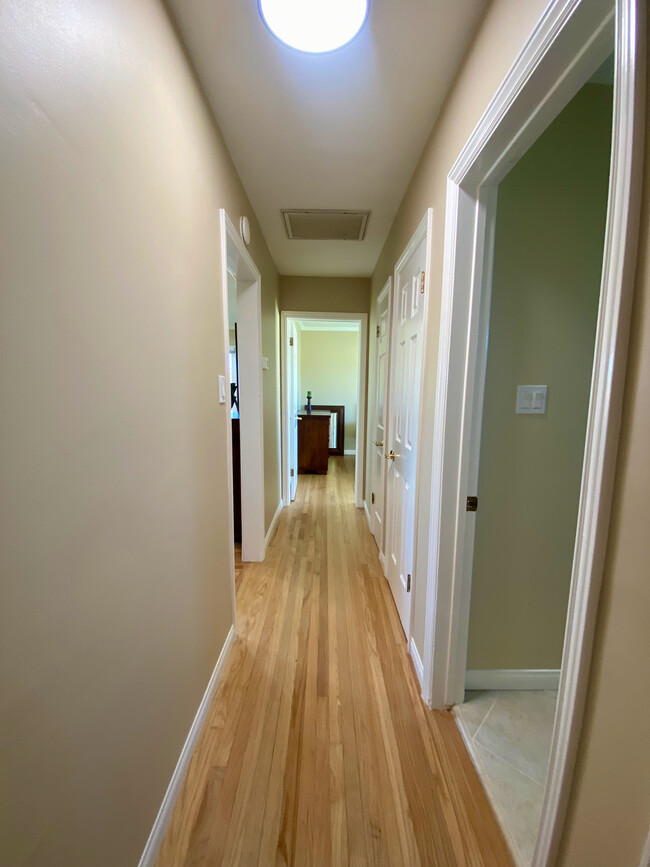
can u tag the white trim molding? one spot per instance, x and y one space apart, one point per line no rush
645 855
272 526
417 661
367 513
570 41
349 451
512 678
161 822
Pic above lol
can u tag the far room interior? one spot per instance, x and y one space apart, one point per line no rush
323 377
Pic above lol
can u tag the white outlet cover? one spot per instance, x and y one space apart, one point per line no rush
531 399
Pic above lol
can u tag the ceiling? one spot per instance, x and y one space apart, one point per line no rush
342 130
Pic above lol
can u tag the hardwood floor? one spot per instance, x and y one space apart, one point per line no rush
318 749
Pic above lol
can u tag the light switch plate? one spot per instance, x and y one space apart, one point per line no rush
265 363
531 399
222 389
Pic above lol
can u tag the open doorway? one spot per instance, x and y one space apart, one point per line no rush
545 291
323 395
567 49
242 392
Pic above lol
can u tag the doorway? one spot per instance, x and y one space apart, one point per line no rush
545 288
333 370
567 47
241 391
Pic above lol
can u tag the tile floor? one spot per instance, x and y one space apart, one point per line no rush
509 735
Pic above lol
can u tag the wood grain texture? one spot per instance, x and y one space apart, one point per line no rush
318 749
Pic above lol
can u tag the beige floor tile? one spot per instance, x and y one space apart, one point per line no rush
519 728
476 706
516 799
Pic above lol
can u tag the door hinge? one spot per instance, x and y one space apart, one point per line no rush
422 283
378 331
472 504
291 341
372 499
408 583
291 473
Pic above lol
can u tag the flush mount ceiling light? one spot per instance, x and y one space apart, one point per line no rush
314 26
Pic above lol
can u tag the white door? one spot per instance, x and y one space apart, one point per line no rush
292 405
403 421
377 467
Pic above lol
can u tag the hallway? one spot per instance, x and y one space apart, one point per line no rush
318 749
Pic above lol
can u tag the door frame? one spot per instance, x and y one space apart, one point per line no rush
387 291
423 231
292 428
236 259
362 319
569 42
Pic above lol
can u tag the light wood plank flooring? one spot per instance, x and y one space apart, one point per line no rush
318 750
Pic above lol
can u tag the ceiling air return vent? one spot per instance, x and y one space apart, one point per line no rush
315 225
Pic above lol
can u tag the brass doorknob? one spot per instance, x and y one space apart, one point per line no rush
391 456
379 445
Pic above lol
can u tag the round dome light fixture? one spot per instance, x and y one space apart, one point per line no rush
314 26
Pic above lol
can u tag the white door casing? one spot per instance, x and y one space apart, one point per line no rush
401 445
294 400
378 423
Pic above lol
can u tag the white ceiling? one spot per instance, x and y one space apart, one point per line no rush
339 130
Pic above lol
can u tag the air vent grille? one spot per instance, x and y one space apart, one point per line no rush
319 225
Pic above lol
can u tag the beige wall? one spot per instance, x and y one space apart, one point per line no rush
325 294
329 368
611 799
610 811
550 230
114 585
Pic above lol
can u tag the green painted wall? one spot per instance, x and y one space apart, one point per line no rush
329 368
548 257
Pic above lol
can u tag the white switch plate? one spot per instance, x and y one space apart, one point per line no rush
222 389
531 399
265 363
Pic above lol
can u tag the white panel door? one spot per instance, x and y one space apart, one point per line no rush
292 405
403 422
378 468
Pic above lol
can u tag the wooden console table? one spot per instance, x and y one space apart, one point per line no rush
339 411
313 441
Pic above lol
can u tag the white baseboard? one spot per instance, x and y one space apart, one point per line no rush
512 678
382 561
367 511
273 525
154 842
417 662
645 855
349 451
